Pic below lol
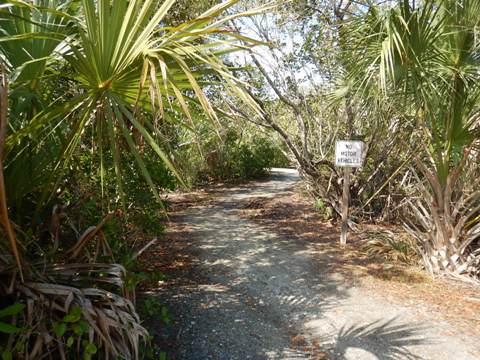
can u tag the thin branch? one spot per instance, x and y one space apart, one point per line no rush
281 96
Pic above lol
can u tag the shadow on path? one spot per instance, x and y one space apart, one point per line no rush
249 293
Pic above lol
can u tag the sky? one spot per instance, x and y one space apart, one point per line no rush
288 42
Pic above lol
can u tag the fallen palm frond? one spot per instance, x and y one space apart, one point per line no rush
72 309
75 310
70 320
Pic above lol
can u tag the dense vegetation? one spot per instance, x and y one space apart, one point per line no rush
107 105
401 77
102 111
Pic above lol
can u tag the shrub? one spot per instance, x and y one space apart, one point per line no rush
239 157
393 247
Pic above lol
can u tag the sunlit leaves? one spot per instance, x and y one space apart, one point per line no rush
133 71
427 55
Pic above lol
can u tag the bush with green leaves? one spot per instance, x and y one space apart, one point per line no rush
424 55
236 154
86 90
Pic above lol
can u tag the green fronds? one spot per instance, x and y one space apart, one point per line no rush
426 54
133 71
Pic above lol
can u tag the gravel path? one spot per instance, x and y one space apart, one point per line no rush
260 295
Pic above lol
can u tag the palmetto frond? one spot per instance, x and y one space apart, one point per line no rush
29 34
128 73
427 54
134 72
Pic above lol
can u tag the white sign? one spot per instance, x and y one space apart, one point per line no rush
349 153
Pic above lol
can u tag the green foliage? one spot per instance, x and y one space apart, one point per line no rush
74 330
121 93
393 247
243 159
89 350
150 351
10 311
185 10
238 154
93 86
70 330
137 277
424 56
124 232
324 210
74 315
151 307
85 138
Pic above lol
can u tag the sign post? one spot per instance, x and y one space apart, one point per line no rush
348 154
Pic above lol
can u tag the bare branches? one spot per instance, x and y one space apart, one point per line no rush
274 87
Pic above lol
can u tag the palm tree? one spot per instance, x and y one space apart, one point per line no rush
426 55
132 71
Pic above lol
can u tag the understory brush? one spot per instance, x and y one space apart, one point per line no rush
235 155
393 247
80 269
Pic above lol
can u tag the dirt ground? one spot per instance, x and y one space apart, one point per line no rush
254 272
293 215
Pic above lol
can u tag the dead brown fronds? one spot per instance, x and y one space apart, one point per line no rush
72 310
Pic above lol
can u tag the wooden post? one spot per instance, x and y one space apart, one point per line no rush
345 203
346 173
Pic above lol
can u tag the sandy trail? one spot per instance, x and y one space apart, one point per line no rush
254 294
